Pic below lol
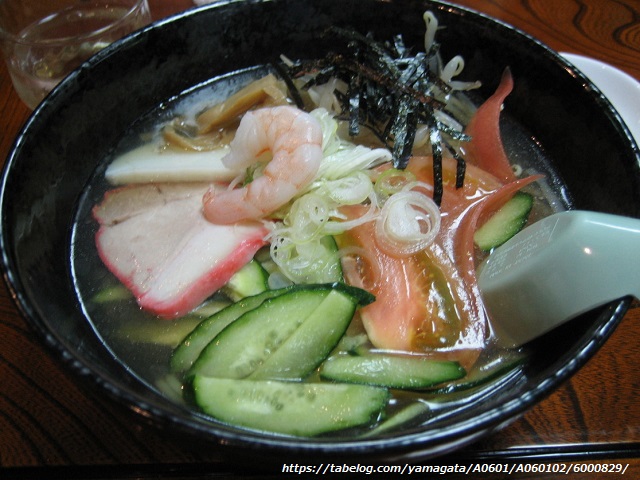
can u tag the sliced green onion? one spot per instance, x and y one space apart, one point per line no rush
392 181
310 262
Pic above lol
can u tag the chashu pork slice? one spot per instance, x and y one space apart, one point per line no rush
156 241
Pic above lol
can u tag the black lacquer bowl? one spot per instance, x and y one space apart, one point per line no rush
75 127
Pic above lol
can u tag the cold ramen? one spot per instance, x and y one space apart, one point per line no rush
293 248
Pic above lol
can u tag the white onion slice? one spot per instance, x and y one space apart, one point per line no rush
350 190
312 261
408 223
307 217
334 227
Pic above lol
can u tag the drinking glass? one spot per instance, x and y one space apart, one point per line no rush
44 40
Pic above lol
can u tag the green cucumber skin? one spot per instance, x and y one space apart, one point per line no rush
290 408
312 342
186 353
398 419
189 349
246 343
362 297
252 279
391 371
331 243
481 375
505 223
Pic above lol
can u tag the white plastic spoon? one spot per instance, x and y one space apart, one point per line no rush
558 268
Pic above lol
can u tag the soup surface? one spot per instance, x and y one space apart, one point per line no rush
144 342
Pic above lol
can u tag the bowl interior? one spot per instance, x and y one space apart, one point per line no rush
77 125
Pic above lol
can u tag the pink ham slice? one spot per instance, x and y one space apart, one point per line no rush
156 241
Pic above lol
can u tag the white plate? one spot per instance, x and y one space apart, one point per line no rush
622 90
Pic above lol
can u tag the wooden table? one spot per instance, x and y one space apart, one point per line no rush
49 426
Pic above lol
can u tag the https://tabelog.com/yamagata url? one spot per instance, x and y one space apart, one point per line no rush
597 468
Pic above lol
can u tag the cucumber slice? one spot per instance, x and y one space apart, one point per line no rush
302 409
485 371
505 223
208 308
390 370
113 293
250 280
332 272
398 419
353 344
157 331
362 297
192 345
245 344
186 353
312 342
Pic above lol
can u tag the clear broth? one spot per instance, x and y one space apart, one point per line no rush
143 343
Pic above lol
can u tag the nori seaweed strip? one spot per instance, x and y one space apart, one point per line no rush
380 49
288 81
354 105
451 132
403 131
461 166
385 81
399 46
353 94
390 91
436 149
391 110
413 73
410 136
321 70
386 62
322 76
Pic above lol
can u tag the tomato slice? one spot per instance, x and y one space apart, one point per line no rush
413 309
429 302
485 149
423 302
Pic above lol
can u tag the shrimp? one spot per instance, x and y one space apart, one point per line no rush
294 139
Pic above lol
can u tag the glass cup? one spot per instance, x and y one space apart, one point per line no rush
44 40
